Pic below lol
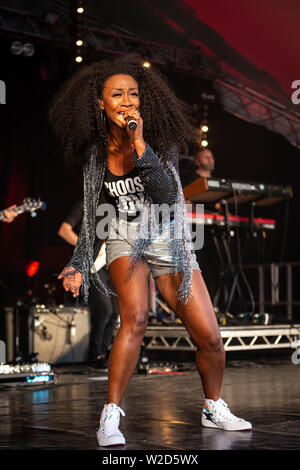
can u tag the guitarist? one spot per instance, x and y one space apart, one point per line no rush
29 205
9 214
103 309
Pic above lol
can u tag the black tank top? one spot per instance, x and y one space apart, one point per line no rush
126 193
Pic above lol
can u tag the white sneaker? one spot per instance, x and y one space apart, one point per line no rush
216 414
108 433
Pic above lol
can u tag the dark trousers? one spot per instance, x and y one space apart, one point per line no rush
104 315
209 263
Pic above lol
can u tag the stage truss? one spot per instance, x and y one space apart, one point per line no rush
235 338
276 113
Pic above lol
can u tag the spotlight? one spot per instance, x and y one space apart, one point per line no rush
204 143
50 17
32 268
28 49
79 42
204 128
16 48
208 96
78 59
147 64
80 10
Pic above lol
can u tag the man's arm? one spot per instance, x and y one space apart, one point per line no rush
9 214
67 233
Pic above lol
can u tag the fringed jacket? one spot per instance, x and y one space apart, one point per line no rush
162 185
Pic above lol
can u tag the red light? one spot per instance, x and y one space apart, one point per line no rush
32 268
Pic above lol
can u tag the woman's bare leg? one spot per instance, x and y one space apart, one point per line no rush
133 303
199 318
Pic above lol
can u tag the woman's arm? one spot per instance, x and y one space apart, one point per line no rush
159 181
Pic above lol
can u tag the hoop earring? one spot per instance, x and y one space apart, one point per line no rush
103 116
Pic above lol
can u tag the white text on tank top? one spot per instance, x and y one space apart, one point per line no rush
128 193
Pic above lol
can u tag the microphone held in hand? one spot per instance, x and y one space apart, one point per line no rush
131 123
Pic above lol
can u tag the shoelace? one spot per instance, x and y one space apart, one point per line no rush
223 413
226 412
111 419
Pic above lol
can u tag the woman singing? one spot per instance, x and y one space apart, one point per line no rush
132 171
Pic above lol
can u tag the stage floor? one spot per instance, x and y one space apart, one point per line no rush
162 411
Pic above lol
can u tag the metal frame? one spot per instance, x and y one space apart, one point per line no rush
276 114
236 338
192 62
251 106
15 22
108 39
275 269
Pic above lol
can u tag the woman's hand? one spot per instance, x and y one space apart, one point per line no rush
72 280
136 136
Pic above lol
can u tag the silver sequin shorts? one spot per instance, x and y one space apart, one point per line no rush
158 255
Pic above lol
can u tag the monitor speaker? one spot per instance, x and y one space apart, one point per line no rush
55 335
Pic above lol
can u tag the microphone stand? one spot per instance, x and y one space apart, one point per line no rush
235 273
226 216
251 225
18 356
226 266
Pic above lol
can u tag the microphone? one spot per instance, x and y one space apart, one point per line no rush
131 123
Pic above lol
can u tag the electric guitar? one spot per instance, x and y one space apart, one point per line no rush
29 205
100 261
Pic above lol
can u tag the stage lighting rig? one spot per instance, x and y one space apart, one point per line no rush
51 17
77 30
18 48
204 128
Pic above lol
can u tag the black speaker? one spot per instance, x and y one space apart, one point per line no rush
51 334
